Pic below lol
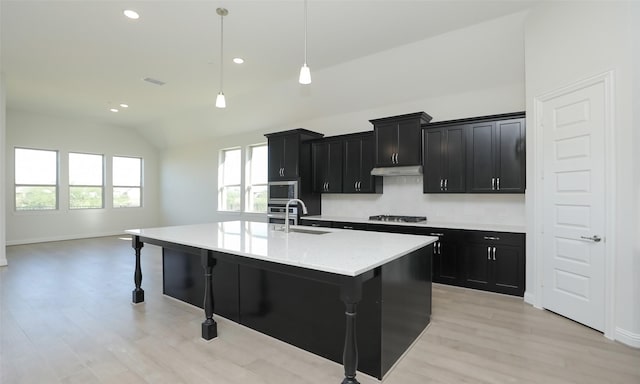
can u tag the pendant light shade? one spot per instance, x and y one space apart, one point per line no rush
305 72
220 99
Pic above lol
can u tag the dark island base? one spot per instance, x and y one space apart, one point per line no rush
394 310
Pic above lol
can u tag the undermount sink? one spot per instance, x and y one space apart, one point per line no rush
309 231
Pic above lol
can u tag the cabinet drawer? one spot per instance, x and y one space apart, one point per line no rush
346 225
315 223
496 238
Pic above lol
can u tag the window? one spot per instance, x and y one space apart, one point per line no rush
127 182
36 179
256 200
86 181
229 180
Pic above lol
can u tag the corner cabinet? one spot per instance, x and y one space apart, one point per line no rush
447 255
399 138
327 166
496 156
285 153
359 160
444 159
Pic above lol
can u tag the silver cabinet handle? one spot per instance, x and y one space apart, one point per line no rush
392 158
498 183
355 185
446 181
491 238
493 183
436 234
439 248
347 227
488 253
594 238
435 248
494 253
359 185
441 184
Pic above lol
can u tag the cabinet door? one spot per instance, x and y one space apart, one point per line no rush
510 156
480 157
508 270
386 143
477 264
368 183
352 164
275 157
291 156
433 180
320 156
409 150
454 159
334 167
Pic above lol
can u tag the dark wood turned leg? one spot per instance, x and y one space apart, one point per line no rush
137 296
209 326
351 294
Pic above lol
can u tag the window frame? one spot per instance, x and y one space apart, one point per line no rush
114 185
222 186
248 182
55 186
101 186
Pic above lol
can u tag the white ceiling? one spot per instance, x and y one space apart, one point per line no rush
79 58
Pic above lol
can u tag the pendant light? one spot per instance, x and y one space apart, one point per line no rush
305 72
220 100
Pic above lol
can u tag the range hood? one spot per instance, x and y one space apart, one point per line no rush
412 170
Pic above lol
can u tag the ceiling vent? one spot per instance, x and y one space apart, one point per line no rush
154 81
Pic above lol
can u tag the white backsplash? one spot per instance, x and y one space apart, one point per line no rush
403 196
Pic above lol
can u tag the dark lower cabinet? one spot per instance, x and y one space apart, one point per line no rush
490 261
494 261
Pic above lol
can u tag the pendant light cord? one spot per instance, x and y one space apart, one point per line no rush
305 32
221 46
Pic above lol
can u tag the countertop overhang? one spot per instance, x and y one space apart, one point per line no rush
338 251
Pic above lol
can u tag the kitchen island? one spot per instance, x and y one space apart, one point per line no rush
296 286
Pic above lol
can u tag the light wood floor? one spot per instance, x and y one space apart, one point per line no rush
66 317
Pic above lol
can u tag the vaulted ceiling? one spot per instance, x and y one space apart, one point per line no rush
80 58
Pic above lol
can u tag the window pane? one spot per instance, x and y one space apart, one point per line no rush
85 169
126 197
258 198
259 165
127 171
35 198
85 197
232 166
231 198
35 166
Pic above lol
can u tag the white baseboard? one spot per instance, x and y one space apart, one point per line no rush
65 237
626 337
529 298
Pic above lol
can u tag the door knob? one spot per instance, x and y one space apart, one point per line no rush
594 238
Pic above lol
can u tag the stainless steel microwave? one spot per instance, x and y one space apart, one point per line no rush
280 192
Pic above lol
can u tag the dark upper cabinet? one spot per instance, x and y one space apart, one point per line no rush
359 160
327 166
496 156
444 159
398 139
286 154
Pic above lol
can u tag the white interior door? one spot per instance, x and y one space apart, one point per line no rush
573 130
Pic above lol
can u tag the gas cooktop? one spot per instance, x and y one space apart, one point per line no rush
399 219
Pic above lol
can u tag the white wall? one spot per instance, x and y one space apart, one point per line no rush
190 181
3 180
480 67
571 41
31 130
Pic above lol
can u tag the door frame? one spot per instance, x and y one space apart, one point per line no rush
607 79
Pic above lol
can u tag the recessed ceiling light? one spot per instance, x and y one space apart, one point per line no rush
113 110
238 60
124 105
131 14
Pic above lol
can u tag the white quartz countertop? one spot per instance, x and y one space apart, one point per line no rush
428 223
339 251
